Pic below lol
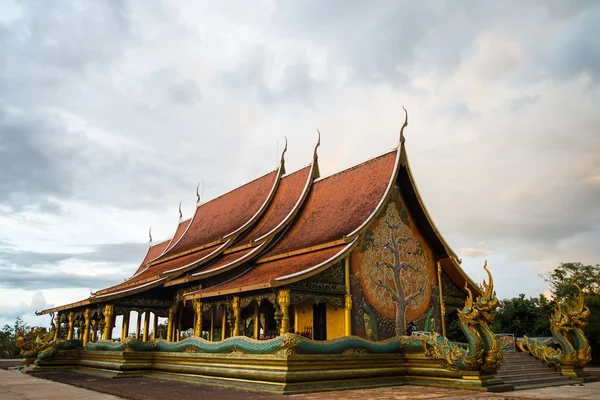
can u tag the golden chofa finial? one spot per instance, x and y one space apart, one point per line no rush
402 140
180 213
284 151
150 234
315 156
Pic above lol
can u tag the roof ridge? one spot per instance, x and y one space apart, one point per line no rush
322 178
237 188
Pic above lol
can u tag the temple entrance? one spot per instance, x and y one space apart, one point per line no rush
320 321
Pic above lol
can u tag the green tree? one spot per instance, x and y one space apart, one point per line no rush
521 316
8 339
588 278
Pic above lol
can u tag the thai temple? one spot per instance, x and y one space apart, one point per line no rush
295 282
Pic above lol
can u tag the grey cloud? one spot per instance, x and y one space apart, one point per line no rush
295 85
118 253
35 280
38 302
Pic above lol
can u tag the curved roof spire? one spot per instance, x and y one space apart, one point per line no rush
150 234
197 194
180 213
315 155
284 151
402 140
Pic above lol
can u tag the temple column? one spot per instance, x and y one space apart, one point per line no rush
224 324
236 312
57 324
347 299
125 330
86 333
442 307
155 330
139 324
70 325
179 323
256 321
212 324
146 325
284 305
170 324
198 313
94 330
108 323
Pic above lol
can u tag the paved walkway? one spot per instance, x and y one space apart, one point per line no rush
18 386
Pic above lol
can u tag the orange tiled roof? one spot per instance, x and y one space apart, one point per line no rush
223 215
181 228
338 204
287 195
154 272
154 250
266 272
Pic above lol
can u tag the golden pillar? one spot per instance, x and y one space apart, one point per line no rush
139 325
212 324
348 315
170 324
442 307
256 321
94 330
125 330
347 300
146 325
57 324
108 322
86 333
236 312
284 304
198 314
71 323
224 323
155 330
179 324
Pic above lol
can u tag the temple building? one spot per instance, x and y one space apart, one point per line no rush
353 253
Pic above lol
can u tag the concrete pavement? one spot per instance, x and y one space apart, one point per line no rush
18 386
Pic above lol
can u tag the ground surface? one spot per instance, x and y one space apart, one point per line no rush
18 386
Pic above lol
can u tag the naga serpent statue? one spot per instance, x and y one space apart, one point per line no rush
484 351
566 324
486 305
41 344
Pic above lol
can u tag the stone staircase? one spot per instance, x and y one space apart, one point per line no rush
527 372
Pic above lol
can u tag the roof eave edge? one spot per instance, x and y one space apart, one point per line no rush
307 273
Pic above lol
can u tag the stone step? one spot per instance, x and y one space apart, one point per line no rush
518 367
523 371
541 384
530 376
550 379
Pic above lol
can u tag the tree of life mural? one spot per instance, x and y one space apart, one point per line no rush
395 267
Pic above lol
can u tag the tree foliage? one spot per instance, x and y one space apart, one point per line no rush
521 316
561 282
8 339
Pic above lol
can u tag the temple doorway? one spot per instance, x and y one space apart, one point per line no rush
320 321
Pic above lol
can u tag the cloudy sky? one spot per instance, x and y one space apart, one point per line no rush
112 111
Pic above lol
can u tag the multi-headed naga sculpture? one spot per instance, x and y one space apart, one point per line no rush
484 351
566 324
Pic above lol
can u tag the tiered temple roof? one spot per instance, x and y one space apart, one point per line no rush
279 229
